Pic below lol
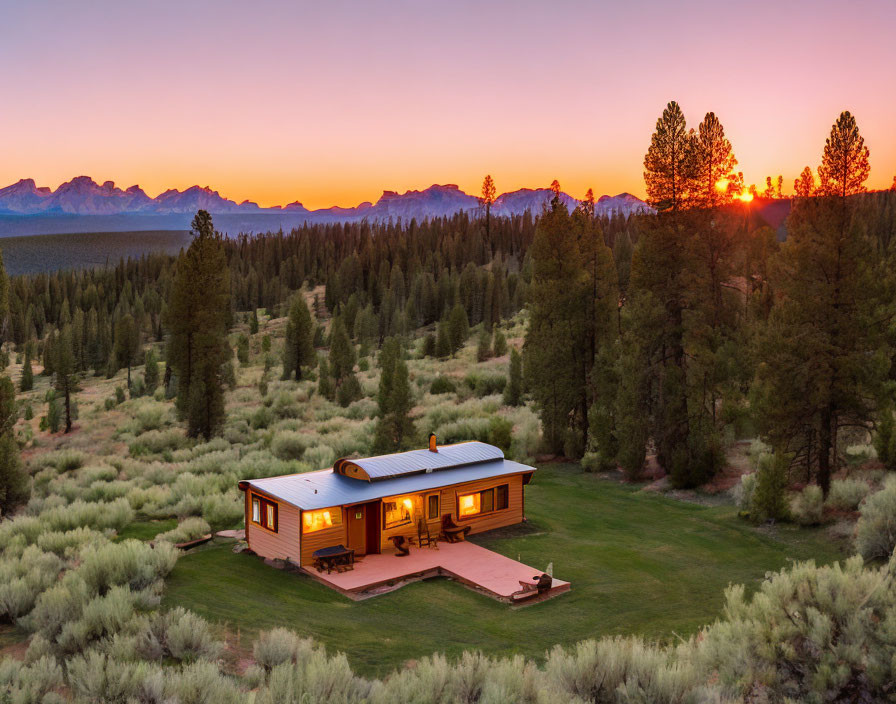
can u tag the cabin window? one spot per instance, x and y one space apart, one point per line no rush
432 507
502 497
321 518
397 512
264 513
485 501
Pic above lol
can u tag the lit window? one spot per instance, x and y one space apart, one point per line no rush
398 512
485 501
322 518
469 504
256 510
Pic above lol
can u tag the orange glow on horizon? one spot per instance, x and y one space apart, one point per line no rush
746 197
169 95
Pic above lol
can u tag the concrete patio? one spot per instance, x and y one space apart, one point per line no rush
480 569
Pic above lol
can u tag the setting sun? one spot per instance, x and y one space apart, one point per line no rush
746 197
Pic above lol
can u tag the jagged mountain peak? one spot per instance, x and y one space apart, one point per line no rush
84 196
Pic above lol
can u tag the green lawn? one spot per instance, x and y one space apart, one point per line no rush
638 563
146 530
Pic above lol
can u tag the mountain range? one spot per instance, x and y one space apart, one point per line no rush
84 202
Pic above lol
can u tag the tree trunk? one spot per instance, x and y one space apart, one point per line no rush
68 410
824 452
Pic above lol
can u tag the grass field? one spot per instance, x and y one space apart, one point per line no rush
638 563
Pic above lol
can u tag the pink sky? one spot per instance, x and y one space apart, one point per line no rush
332 102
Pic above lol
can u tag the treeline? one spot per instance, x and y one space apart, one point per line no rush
716 329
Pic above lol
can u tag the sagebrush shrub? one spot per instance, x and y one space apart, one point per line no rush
189 529
876 528
847 494
806 507
289 445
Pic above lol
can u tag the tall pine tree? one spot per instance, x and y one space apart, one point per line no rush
198 317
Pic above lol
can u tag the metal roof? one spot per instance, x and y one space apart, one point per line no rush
326 488
418 461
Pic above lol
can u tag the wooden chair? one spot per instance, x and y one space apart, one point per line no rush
402 545
424 537
542 584
452 532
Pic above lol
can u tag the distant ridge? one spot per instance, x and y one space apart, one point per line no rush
82 205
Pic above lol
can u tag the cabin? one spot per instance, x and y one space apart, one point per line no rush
364 503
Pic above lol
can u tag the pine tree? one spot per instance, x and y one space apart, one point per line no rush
198 317
126 345
587 204
324 380
845 158
26 383
64 370
486 200
816 375
298 348
253 322
342 365
151 372
483 346
804 186
513 391
394 426
15 486
499 346
242 349
769 500
554 346
668 165
715 181
443 342
458 328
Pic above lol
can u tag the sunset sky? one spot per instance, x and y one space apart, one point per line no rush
331 102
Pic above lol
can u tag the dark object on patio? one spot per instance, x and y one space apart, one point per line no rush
402 545
424 537
335 557
542 584
452 532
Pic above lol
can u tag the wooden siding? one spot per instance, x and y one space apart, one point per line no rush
287 542
448 504
284 544
324 538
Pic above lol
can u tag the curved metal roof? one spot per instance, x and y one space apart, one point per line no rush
325 488
423 461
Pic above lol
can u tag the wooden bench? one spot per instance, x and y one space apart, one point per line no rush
336 557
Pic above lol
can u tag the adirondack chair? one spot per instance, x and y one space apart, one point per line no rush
452 532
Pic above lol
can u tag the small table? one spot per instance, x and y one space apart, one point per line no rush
337 557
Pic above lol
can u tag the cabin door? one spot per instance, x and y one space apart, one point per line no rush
357 528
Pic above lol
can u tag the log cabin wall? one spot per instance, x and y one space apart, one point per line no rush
448 504
324 538
284 544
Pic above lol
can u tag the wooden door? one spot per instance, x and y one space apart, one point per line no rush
357 528
373 527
